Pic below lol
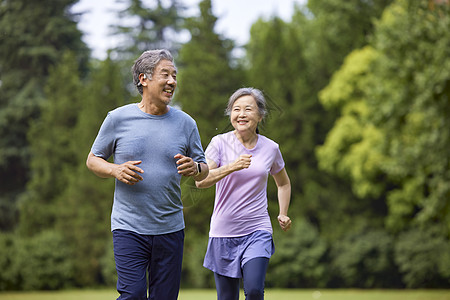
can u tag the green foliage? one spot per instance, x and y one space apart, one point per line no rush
108 265
194 275
153 27
394 106
33 34
44 261
364 259
392 139
423 257
299 258
339 27
9 277
50 138
41 262
33 37
411 97
353 148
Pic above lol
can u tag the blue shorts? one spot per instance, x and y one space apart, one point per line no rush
226 256
159 256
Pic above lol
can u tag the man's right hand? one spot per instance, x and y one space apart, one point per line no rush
128 172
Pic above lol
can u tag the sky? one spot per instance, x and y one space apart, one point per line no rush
235 18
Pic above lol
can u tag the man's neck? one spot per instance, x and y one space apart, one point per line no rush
152 108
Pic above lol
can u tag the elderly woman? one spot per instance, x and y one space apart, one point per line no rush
240 237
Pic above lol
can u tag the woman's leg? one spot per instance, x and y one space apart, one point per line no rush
254 275
227 287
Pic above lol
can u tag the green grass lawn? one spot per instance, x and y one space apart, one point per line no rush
271 294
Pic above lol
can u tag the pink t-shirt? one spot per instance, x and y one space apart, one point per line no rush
240 206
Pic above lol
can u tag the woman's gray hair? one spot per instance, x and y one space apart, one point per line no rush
248 91
146 64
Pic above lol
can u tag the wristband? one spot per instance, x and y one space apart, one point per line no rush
199 168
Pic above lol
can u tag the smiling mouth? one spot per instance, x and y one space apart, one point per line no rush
169 91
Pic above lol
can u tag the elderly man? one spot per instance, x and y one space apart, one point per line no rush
153 145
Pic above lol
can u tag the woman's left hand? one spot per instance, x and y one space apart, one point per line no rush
285 222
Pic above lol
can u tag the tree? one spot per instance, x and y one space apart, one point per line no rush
392 139
411 99
345 149
365 259
340 27
292 268
50 139
423 257
156 27
44 262
386 102
33 37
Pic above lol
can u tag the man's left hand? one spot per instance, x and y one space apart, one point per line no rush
186 165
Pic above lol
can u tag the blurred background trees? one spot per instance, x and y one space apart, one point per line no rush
358 94
32 40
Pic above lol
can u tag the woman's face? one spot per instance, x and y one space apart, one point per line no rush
244 114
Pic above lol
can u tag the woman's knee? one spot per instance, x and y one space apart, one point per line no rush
227 287
254 293
254 277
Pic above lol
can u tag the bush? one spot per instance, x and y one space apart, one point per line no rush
365 260
298 261
44 262
9 276
194 275
423 256
108 265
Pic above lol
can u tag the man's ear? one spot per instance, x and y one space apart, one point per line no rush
142 78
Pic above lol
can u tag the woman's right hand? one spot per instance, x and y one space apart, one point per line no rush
285 222
242 162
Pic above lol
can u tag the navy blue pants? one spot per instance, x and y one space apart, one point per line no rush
158 256
253 277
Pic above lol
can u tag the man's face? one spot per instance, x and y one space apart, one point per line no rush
161 86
